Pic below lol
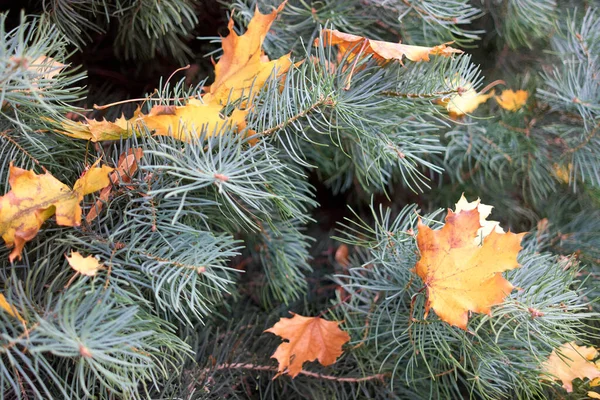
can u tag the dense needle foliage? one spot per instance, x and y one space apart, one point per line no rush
207 243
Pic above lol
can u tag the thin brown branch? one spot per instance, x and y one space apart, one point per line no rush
392 93
253 367
5 135
321 101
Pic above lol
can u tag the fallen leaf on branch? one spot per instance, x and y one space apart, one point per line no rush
570 362
10 309
465 102
308 339
380 50
34 198
126 167
460 275
88 266
243 66
511 100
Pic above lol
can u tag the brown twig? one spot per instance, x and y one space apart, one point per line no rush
253 367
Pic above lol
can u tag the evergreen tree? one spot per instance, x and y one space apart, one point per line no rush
304 196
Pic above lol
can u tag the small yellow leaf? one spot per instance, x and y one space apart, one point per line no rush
562 172
465 102
10 309
511 100
88 266
571 362
593 395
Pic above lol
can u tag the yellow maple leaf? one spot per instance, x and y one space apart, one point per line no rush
511 100
186 122
380 50
88 266
97 131
10 309
570 362
308 339
243 65
461 276
34 198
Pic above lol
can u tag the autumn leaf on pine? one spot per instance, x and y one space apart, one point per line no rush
88 266
10 309
186 122
380 50
570 362
308 339
460 276
34 198
97 131
126 167
511 100
465 102
243 65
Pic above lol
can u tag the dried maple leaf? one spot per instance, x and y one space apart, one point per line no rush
570 362
10 309
243 65
88 266
126 167
382 51
308 339
35 198
511 100
459 275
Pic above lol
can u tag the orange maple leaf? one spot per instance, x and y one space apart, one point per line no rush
380 50
243 65
570 362
34 198
461 276
308 339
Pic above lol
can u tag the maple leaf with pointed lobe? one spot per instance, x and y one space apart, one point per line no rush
34 198
308 339
461 276
570 362
243 66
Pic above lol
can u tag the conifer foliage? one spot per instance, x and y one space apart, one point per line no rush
155 247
